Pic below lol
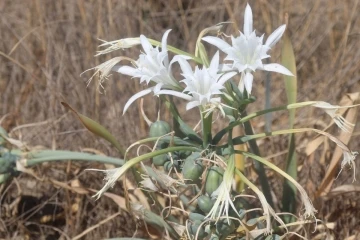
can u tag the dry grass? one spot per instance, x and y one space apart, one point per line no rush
45 45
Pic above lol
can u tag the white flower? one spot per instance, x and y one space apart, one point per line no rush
152 66
247 51
333 112
201 85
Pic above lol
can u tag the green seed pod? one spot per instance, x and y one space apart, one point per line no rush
160 160
4 177
205 203
224 229
159 128
192 168
168 165
196 216
184 154
194 228
213 179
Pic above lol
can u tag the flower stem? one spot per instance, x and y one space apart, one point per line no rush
206 122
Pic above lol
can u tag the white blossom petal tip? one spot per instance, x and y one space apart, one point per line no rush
275 36
275 67
248 20
135 97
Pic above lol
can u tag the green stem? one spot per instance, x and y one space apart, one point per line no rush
206 127
35 158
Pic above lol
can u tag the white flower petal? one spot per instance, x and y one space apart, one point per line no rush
164 40
157 88
275 67
214 64
225 77
248 80
217 42
275 36
248 21
126 70
145 44
174 93
135 97
185 66
192 104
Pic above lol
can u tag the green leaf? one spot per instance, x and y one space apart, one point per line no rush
289 190
96 128
259 167
37 157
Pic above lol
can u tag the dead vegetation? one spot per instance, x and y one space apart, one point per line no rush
45 46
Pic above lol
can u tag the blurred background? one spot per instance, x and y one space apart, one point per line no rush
45 46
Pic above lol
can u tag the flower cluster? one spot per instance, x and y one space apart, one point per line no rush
205 84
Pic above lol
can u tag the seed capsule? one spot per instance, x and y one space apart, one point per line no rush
192 168
213 179
160 160
169 164
205 203
194 228
196 216
223 228
159 128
